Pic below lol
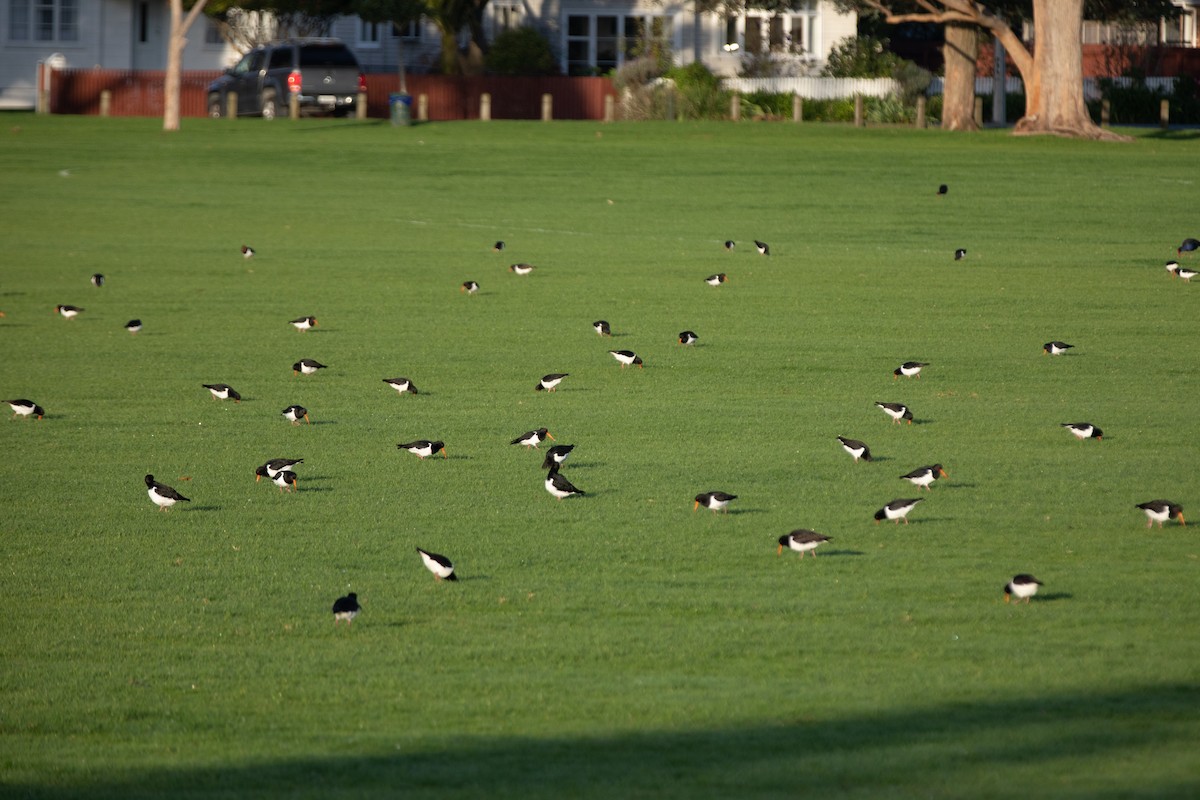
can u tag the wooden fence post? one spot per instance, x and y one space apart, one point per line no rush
547 107
797 108
42 98
1105 111
670 103
920 112
979 111
422 107
858 111
105 102
485 107
1164 114
231 105
735 107
293 105
360 106
609 104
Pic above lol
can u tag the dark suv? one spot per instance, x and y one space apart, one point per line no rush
322 73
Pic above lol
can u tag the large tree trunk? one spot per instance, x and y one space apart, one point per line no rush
1054 87
958 93
176 42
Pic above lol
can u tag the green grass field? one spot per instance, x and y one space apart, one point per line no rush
618 644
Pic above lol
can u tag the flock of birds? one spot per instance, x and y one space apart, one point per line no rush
802 541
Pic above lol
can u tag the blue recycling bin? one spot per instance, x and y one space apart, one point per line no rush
401 107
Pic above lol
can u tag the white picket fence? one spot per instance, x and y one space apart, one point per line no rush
835 88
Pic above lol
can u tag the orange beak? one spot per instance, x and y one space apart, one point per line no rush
257 478
1180 516
780 551
696 506
306 419
1006 598
551 437
444 453
944 475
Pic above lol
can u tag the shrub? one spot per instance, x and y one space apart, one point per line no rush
521 51
700 93
861 57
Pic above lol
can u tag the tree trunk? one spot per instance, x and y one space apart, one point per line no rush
176 42
1054 87
958 94
449 54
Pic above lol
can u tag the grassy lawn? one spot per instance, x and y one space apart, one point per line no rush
620 643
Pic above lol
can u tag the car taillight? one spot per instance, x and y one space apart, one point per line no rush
362 82
294 81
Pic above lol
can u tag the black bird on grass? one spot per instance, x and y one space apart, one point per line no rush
345 609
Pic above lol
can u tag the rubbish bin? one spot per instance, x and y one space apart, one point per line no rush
401 106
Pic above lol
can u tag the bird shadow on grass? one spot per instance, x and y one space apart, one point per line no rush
307 489
872 750
956 485
191 509
836 553
322 422
1050 597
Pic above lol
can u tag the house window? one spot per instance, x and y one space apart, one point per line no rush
43 20
368 35
763 33
409 30
506 16
212 32
599 43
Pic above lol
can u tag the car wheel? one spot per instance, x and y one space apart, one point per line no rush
214 106
269 104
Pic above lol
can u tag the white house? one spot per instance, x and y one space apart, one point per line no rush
114 34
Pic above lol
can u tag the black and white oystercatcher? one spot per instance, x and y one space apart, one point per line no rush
424 448
1083 430
715 280
602 328
897 510
97 280
283 479
533 438
247 251
1172 268
1160 511
69 312
304 323
909 369
730 244
345 609
294 414
1021 587
960 254
25 408
1056 348
559 486
855 448
520 269
763 248
439 565
497 247
923 477
470 287
1186 274
223 391
401 385
133 326
687 337
307 366
274 467
163 496
897 411
557 455
549 382
802 541
714 501
626 357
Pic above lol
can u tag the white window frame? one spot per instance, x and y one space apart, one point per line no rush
59 17
505 15
368 35
671 33
805 16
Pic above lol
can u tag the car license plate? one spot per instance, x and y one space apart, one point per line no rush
326 99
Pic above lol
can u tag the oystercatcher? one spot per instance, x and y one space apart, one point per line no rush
1083 430
1173 268
557 455
223 391
559 486
304 323
715 280
943 189
97 280
307 366
274 467
439 565
1185 274
423 448
923 477
1021 587
133 326
897 411
163 496
855 448
401 385
549 382
247 251
497 247
802 541
470 287
688 337
909 369
626 357
960 254
601 327
68 311
1056 348
1160 511
763 248
533 438
345 609
715 501
294 414
730 244
285 478
25 408
1188 246
521 269
897 510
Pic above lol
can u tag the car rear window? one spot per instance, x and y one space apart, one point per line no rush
326 56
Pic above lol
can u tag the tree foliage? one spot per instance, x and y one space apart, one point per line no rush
521 51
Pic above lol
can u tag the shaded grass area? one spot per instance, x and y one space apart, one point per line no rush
618 643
